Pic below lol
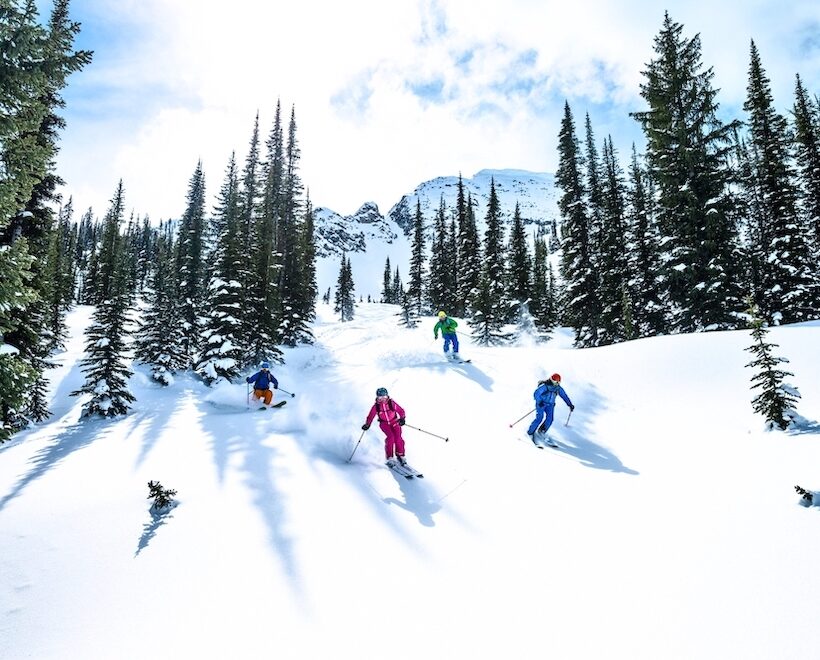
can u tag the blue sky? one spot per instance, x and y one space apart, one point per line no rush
386 94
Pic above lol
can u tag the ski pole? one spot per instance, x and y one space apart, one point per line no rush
568 416
441 437
522 417
356 447
286 392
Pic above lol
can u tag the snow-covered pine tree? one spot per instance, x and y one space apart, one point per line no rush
297 294
807 152
492 305
775 401
539 308
439 295
519 270
581 306
190 259
387 283
468 254
222 352
613 265
398 288
105 363
345 301
415 285
158 342
644 260
688 157
60 276
786 279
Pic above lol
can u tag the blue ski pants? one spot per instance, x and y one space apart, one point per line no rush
540 414
448 339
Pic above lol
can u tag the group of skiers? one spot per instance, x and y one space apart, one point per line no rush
391 415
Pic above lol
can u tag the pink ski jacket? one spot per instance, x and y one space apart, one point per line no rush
388 411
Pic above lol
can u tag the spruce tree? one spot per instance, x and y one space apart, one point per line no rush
492 305
688 156
438 293
387 283
158 342
644 258
105 363
787 285
775 401
613 266
807 159
222 350
468 255
345 300
539 307
519 263
581 306
190 261
415 285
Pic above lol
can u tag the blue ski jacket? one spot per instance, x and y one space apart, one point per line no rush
262 380
545 394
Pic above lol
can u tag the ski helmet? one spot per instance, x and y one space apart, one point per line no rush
266 365
382 391
555 378
442 315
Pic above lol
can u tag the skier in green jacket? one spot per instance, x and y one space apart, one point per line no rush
448 332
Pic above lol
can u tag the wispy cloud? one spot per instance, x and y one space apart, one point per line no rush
386 94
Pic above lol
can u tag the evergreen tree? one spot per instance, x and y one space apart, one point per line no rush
787 286
492 306
807 158
105 364
540 308
158 342
222 351
644 259
613 267
415 288
387 283
687 152
468 255
581 307
190 252
59 275
519 263
345 299
439 294
594 194
398 288
775 401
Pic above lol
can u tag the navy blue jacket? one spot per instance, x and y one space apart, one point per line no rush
262 380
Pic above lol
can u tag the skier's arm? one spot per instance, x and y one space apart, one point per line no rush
274 381
371 415
252 379
565 397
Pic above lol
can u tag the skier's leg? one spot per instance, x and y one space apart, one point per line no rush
446 343
539 415
389 441
268 397
455 343
398 440
550 416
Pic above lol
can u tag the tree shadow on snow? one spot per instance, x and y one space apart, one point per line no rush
466 369
158 519
65 441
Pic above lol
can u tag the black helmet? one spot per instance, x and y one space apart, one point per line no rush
382 391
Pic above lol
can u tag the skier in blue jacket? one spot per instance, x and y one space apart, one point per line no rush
544 396
262 381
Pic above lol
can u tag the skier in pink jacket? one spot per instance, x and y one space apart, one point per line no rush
391 419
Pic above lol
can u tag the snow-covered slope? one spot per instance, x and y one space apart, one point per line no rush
668 527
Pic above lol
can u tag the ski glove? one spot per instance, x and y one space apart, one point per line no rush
401 421
365 427
572 408
542 405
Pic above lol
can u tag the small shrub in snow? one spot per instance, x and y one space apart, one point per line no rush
163 497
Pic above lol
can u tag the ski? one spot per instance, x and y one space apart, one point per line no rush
275 405
458 361
404 470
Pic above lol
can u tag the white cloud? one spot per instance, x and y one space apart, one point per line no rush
187 80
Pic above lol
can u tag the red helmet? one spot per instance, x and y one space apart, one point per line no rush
555 378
